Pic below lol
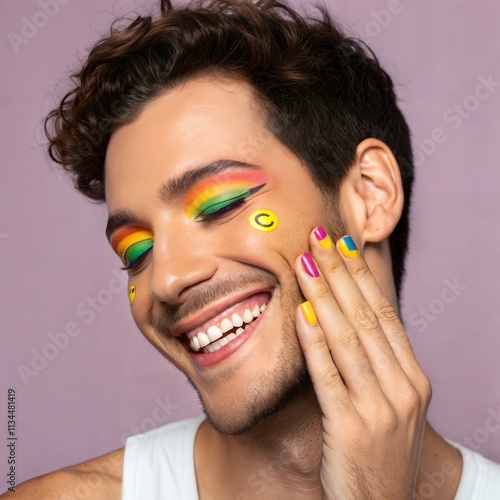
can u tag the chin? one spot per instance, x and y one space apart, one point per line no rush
267 396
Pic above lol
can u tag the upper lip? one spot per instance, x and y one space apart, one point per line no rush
213 310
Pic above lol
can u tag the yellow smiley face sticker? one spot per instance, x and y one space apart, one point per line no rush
264 220
131 294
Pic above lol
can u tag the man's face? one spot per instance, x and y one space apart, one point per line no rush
209 267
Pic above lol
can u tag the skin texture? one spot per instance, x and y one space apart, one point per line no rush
355 427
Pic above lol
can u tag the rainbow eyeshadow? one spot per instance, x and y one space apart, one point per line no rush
214 194
131 243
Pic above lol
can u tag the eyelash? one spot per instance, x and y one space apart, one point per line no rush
225 209
134 264
232 205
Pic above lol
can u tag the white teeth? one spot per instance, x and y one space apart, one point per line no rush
236 319
247 316
195 343
215 346
214 333
226 325
203 339
210 342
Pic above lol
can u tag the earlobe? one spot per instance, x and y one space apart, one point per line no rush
380 189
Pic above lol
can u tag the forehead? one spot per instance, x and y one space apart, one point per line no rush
202 120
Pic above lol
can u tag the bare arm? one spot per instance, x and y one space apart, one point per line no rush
100 478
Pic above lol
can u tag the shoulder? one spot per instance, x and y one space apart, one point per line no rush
99 478
167 440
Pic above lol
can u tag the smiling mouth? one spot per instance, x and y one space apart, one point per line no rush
228 326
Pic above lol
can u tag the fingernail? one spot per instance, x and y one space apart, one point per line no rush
347 247
309 265
323 239
308 312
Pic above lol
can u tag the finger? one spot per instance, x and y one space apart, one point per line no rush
380 305
342 340
328 385
355 307
399 375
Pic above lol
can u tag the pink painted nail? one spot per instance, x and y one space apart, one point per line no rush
309 265
323 238
320 233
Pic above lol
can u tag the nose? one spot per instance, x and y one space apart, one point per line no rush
179 264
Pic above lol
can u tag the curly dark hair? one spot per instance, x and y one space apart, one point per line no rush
322 91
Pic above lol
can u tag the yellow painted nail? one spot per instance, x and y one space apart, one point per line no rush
323 239
348 248
308 312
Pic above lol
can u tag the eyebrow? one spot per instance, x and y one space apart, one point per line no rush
179 186
175 188
118 220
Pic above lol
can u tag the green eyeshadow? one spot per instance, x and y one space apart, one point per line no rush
222 200
136 250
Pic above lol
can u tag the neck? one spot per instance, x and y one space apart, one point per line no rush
281 458
278 458
440 467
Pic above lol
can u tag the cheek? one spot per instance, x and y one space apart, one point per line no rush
141 297
241 240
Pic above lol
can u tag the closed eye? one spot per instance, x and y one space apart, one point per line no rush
136 253
221 208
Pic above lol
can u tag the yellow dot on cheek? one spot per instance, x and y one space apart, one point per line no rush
263 220
131 294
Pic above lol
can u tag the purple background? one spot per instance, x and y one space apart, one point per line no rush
54 256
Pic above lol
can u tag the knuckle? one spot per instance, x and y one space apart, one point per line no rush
330 376
364 379
386 312
413 400
322 291
385 360
387 418
425 389
348 339
410 398
334 267
362 273
317 341
364 318
391 422
420 384
400 345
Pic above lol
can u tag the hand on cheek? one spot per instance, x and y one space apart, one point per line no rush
371 390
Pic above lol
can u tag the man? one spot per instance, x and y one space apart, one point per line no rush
257 173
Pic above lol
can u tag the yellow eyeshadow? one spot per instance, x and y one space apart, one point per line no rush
131 239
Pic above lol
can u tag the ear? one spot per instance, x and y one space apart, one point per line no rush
373 192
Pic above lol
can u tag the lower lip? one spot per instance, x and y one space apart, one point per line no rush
205 360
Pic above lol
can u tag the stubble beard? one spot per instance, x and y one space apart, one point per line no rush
274 387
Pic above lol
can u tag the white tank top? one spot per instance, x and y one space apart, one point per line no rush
159 465
480 477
